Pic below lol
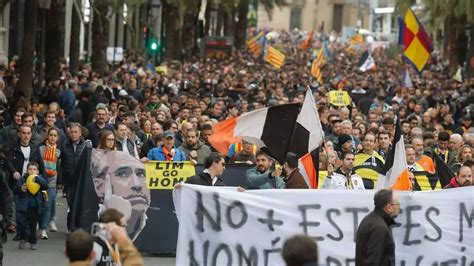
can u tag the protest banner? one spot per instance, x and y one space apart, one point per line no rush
220 226
164 175
340 98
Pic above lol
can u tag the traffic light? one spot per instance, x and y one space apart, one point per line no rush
154 46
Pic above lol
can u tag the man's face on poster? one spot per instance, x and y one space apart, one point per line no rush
125 177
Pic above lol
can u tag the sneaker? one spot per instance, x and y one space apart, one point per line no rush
52 227
22 244
43 234
33 246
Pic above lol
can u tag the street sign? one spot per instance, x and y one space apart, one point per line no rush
114 55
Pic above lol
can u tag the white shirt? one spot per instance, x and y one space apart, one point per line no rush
214 178
26 153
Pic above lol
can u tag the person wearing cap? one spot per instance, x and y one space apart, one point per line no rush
293 178
167 151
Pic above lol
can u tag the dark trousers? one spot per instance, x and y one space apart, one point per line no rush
27 222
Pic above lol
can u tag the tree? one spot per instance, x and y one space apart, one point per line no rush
54 24
24 88
100 35
74 46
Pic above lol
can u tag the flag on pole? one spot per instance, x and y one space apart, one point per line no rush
366 62
255 44
396 162
307 138
416 43
316 66
307 42
277 129
407 83
274 57
442 169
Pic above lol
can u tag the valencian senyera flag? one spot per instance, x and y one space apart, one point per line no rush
416 43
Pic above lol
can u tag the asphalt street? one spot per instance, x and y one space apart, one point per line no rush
51 252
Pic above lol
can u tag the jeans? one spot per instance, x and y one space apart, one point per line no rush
27 222
49 209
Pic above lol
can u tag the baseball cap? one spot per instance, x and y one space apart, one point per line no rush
167 134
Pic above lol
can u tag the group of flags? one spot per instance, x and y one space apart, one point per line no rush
297 128
258 47
277 130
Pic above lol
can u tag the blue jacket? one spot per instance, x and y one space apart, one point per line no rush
157 154
24 197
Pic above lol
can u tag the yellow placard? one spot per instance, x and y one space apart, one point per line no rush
162 69
339 98
164 175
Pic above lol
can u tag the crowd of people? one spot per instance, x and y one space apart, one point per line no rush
169 115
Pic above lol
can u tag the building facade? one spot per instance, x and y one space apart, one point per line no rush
326 15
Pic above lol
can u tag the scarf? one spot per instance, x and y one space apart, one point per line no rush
168 154
50 159
453 182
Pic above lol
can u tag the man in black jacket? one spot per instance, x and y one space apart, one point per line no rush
374 244
6 210
71 156
214 165
21 153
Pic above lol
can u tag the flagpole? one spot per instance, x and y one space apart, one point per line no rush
323 144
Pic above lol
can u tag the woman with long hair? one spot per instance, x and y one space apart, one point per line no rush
106 140
51 155
464 154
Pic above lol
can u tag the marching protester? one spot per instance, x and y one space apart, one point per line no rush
167 151
107 140
194 149
214 166
21 154
29 205
300 250
293 177
374 240
262 176
462 179
80 246
73 153
51 154
6 212
170 112
344 177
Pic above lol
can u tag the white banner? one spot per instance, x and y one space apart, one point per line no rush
220 226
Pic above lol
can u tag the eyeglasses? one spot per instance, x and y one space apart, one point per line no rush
110 139
396 204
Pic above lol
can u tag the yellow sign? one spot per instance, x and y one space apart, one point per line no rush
164 175
162 70
339 98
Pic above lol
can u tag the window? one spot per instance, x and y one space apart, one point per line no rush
295 18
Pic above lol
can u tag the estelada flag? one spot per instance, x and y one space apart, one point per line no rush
416 43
